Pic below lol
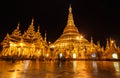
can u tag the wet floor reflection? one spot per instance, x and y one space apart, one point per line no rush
59 69
94 65
116 66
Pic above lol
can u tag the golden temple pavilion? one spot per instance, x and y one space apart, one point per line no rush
30 44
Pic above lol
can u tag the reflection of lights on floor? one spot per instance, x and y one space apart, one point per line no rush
116 66
60 64
74 65
26 63
95 66
14 74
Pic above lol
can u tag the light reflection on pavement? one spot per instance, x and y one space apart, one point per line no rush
59 69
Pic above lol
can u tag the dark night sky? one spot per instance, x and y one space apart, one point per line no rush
97 18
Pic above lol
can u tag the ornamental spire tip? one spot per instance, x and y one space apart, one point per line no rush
32 22
70 8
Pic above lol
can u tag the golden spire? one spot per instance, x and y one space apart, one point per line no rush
45 38
98 44
91 39
70 21
7 35
38 29
107 44
18 26
29 34
70 9
32 22
5 40
16 33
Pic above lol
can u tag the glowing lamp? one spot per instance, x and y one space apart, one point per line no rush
21 44
115 56
47 55
60 55
74 55
93 55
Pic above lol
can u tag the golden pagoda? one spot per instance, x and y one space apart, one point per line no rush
71 44
30 44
